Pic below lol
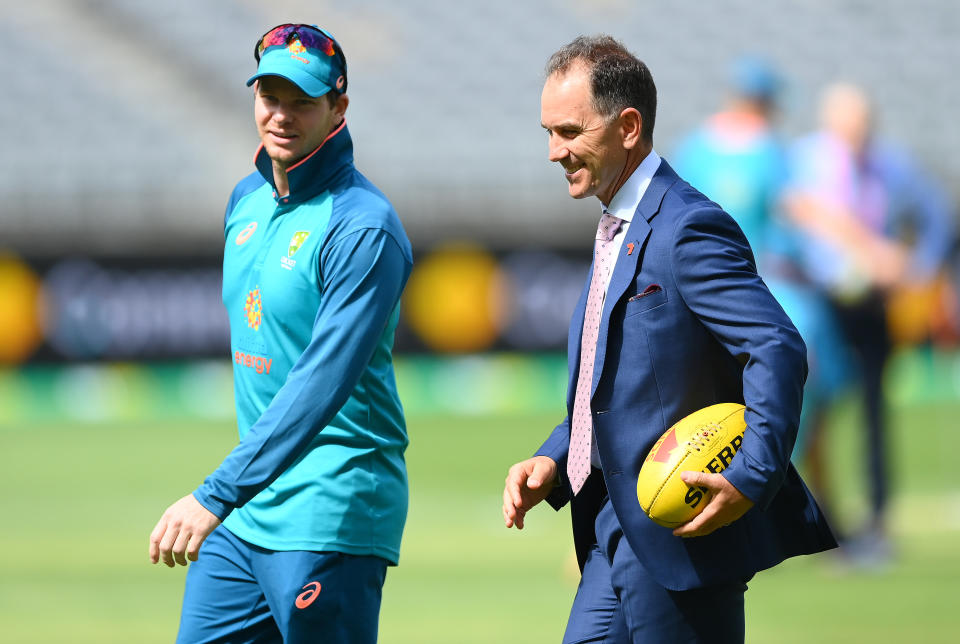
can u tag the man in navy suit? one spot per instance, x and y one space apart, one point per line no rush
680 321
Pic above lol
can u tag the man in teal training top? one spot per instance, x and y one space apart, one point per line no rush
314 497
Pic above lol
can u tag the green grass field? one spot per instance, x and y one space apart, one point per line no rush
80 500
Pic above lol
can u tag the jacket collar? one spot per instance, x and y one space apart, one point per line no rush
653 197
317 172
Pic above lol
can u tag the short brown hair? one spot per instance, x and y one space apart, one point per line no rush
618 79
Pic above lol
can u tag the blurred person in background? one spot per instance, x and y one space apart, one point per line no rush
739 160
872 223
673 318
313 499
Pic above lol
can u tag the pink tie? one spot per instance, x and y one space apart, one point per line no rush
578 456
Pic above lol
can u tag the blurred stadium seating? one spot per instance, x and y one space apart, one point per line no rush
128 123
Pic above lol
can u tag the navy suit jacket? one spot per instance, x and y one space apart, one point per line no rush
707 331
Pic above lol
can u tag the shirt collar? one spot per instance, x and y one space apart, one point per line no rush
320 170
628 197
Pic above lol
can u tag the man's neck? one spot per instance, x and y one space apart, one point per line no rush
280 181
634 158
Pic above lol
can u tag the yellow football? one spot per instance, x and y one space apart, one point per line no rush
704 441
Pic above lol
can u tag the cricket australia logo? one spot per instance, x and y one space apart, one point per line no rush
253 308
295 243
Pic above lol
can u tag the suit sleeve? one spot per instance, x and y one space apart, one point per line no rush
556 447
717 279
364 273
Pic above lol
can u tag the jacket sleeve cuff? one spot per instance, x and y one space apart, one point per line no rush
561 493
218 508
758 484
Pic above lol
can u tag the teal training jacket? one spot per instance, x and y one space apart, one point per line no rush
312 284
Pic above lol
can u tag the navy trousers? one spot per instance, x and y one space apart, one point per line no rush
238 592
618 603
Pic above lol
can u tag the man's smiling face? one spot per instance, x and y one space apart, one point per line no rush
292 124
585 143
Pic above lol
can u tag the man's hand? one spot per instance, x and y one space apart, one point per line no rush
725 504
181 530
528 483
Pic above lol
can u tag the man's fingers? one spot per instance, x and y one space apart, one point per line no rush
701 479
155 538
705 522
512 515
180 532
193 550
724 504
180 547
541 472
511 487
516 495
511 491
515 520
166 544
510 504
698 526
158 530
524 488
509 510
507 497
537 475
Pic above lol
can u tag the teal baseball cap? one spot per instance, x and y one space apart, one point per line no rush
755 77
305 55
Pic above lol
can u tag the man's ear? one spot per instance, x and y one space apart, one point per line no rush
340 106
631 126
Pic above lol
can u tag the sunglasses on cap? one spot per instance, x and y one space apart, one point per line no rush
310 36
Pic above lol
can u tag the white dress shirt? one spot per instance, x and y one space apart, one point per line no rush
624 203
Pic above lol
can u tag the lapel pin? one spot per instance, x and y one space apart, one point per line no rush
630 248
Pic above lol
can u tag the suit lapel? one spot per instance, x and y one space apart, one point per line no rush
623 273
626 267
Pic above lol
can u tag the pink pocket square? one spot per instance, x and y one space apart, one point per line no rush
650 290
